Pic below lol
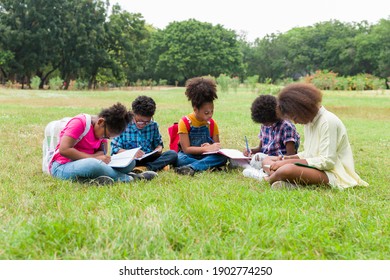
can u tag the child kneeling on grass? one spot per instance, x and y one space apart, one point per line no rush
85 160
196 141
277 136
327 157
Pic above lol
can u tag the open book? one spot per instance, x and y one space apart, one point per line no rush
230 153
125 158
146 155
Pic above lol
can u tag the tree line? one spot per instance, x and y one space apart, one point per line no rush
90 41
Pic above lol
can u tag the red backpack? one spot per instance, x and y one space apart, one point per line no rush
174 136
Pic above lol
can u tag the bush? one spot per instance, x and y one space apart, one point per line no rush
56 83
235 83
251 82
35 82
223 82
323 79
162 82
269 89
81 84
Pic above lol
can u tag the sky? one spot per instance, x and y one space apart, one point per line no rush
257 18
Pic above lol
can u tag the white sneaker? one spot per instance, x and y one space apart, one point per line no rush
257 174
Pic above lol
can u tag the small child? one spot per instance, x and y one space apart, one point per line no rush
278 137
143 131
193 143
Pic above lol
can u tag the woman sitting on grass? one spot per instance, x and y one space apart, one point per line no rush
85 159
327 157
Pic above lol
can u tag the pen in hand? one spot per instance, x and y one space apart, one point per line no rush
247 146
211 139
281 154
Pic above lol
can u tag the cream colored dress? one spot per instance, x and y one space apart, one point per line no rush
326 147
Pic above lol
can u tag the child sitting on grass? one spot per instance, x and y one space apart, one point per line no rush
277 136
143 131
196 141
84 158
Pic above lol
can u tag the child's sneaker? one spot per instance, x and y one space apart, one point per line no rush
147 175
254 173
139 169
283 185
185 170
101 181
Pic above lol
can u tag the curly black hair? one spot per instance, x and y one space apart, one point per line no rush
144 106
264 109
201 90
116 118
301 100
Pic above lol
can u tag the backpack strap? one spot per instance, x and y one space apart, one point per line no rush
88 121
211 127
87 127
187 122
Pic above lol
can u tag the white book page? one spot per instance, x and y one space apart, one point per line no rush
230 153
146 155
123 159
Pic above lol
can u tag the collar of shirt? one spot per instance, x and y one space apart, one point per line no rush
319 113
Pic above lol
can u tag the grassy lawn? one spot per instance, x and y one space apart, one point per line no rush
219 215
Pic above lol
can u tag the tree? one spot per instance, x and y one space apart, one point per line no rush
267 58
23 35
380 35
192 48
127 44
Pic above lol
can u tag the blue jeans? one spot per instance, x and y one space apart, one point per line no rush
199 136
201 162
157 162
90 168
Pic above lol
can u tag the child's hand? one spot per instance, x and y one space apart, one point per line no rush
212 147
104 158
139 154
246 153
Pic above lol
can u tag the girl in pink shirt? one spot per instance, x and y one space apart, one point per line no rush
86 159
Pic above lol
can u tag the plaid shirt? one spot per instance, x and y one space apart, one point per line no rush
274 138
148 138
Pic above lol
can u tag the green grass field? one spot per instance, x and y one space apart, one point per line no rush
219 215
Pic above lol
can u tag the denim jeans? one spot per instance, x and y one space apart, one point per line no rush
90 168
157 162
199 136
201 162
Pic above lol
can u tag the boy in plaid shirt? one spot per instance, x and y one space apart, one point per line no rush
278 137
143 131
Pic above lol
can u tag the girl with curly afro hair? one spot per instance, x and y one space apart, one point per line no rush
198 139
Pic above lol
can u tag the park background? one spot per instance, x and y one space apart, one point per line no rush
84 60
